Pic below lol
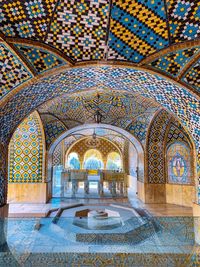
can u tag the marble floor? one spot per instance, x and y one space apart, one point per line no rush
149 235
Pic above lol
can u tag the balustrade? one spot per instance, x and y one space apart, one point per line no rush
115 182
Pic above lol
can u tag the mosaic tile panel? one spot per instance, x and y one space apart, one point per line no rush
179 164
26 19
139 127
26 152
176 99
137 29
173 63
57 155
155 148
42 60
117 108
12 73
192 76
177 133
79 28
53 128
184 20
110 259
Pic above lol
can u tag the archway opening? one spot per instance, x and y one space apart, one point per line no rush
93 160
73 161
111 143
114 162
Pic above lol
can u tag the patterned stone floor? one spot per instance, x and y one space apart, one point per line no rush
166 239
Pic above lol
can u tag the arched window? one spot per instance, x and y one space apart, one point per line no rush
73 161
179 163
93 160
114 161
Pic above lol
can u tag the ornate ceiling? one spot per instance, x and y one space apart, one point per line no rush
40 38
128 111
118 109
42 35
122 79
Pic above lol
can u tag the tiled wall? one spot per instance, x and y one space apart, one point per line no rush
26 152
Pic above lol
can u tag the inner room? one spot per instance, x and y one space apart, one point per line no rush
137 150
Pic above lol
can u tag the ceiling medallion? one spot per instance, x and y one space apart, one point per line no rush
92 142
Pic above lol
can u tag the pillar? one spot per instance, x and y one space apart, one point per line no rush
3 196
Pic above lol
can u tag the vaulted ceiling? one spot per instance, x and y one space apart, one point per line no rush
132 112
42 35
117 108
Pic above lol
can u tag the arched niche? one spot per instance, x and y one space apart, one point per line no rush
73 161
26 162
93 159
114 161
179 164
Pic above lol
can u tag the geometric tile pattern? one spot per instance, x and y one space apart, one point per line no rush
173 63
117 108
40 59
12 73
57 156
138 28
26 152
26 19
184 20
155 148
176 133
52 128
190 258
79 28
139 127
192 77
174 98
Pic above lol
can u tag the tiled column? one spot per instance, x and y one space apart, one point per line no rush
3 175
3 196
3 227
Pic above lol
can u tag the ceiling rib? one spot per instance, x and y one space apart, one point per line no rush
15 51
39 44
170 49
